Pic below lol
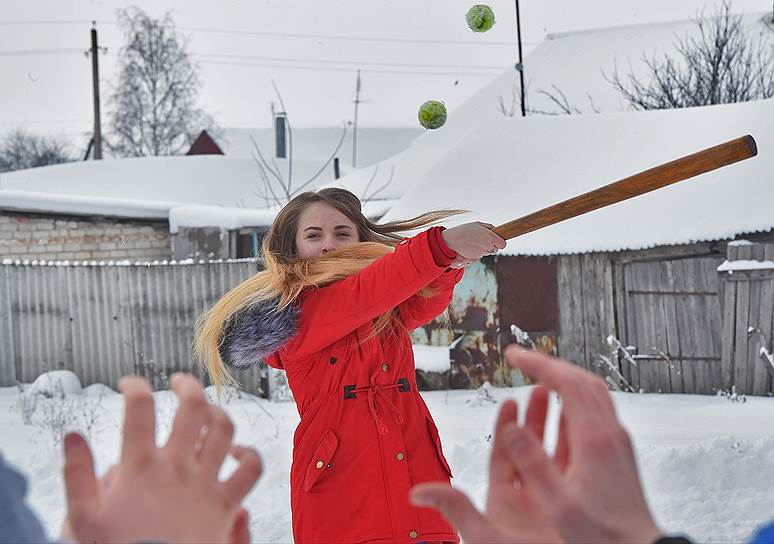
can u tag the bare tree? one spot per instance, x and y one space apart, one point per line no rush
368 196
555 96
154 103
20 149
280 193
515 105
722 64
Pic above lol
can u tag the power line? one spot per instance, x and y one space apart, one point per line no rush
76 50
30 52
346 38
281 34
364 70
353 62
46 122
53 22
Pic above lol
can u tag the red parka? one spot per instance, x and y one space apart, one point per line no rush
366 436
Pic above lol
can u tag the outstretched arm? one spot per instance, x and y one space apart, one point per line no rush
589 491
331 312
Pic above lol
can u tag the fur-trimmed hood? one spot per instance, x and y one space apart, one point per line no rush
258 331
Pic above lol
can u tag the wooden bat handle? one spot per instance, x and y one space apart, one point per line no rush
681 169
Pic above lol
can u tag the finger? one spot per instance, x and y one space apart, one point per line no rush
192 415
536 470
585 396
80 481
244 477
456 508
537 410
67 534
500 467
562 453
220 433
107 479
240 531
139 437
496 240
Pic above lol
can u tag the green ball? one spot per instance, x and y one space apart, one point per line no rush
480 18
432 114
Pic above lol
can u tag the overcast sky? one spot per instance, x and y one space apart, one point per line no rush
415 50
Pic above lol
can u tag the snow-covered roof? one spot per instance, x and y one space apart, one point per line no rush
192 191
29 201
196 179
576 63
580 63
508 168
318 143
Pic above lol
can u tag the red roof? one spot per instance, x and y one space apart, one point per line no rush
205 145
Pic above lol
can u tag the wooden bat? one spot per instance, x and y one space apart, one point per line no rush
675 171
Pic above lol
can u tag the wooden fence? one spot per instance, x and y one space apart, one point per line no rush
103 321
748 318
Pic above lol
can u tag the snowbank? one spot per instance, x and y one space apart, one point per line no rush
432 358
55 383
707 464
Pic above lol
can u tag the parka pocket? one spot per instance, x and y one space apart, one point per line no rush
320 463
433 430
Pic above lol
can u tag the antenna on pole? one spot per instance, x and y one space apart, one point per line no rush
520 65
354 128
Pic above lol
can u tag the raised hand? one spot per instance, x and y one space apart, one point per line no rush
169 494
472 241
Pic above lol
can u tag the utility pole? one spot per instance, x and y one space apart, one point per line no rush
95 83
520 65
354 128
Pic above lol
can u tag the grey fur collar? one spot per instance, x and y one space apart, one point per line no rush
257 332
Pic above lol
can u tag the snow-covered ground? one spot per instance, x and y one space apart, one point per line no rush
707 462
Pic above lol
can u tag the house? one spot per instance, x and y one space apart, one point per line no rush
128 209
643 272
204 205
575 64
568 290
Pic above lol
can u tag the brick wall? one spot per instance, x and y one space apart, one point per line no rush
42 237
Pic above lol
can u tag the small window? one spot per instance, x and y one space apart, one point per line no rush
248 243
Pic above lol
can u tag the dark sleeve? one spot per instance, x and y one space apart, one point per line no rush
764 535
17 522
674 539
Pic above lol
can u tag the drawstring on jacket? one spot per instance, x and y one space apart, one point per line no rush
373 406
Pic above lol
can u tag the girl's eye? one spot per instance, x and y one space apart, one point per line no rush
346 234
311 236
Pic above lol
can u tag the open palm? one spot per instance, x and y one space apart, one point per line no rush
511 513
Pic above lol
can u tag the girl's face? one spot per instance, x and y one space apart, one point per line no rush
323 228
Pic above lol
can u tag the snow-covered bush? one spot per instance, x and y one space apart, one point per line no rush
55 383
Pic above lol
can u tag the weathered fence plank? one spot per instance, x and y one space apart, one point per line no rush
570 294
748 319
8 370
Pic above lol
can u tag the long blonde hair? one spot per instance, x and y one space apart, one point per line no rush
285 275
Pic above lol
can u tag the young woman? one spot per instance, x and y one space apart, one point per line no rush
333 308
